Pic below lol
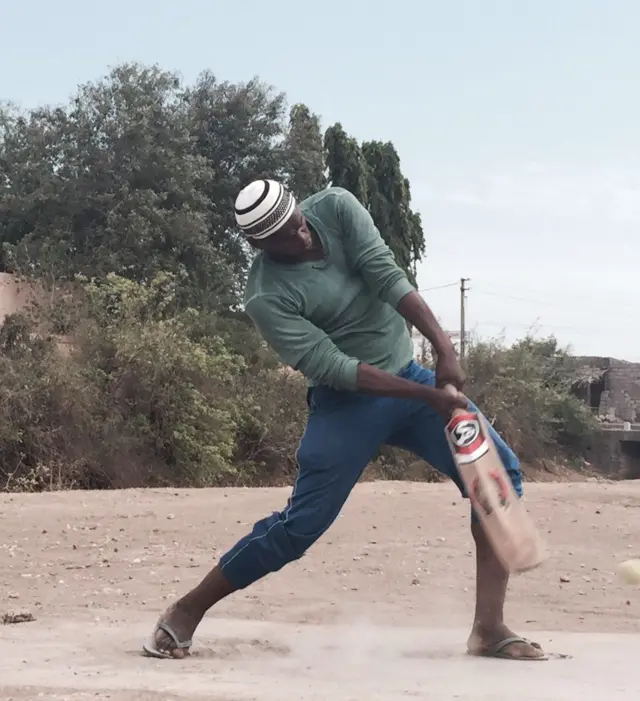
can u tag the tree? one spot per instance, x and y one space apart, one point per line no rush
304 153
390 205
110 184
238 130
132 185
373 174
138 175
345 162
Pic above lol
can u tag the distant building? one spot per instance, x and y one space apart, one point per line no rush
614 391
14 296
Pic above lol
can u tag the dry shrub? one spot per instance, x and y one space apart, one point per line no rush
155 394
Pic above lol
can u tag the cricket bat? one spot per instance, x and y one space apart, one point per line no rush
502 514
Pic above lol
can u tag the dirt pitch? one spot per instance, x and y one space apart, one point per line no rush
378 609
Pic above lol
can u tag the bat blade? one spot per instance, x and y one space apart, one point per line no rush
501 512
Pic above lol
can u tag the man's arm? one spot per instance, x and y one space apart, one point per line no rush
417 312
368 253
306 348
300 344
371 256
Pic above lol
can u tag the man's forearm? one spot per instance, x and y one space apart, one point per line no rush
416 311
371 380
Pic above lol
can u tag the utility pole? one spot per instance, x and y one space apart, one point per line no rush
463 326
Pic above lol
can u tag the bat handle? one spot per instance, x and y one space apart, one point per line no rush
451 390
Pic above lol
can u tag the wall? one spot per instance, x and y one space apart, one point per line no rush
622 390
616 453
615 449
15 297
620 398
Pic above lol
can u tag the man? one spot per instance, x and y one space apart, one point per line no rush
326 294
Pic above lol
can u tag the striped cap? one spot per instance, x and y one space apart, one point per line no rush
263 207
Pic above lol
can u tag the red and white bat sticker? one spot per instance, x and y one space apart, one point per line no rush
481 500
467 437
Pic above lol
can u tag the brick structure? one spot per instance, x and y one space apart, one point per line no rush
616 395
615 399
17 296
14 296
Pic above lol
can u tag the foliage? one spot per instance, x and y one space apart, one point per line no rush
119 205
136 389
304 151
137 175
237 129
346 163
373 174
525 390
390 205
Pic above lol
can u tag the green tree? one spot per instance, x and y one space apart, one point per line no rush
304 153
373 174
390 205
138 175
238 129
110 184
346 163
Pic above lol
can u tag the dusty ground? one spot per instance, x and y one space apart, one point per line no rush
365 615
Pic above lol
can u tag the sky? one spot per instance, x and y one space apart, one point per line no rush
517 123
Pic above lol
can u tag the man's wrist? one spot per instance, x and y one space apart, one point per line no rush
443 346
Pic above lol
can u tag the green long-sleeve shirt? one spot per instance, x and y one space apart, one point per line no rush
325 317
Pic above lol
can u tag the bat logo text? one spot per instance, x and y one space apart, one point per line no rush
465 432
467 437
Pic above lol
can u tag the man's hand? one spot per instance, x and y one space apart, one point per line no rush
449 371
416 311
371 380
445 403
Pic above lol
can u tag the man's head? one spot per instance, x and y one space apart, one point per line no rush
270 219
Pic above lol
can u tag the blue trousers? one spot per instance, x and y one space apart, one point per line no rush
344 431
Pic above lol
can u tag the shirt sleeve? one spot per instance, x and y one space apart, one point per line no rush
300 344
368 252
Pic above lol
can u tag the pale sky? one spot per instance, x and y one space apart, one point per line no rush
517 122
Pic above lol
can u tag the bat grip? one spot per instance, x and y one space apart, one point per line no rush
450 389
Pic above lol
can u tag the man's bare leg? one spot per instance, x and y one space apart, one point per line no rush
491 588
185 615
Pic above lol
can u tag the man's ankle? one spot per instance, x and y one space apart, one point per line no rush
481 626
190 606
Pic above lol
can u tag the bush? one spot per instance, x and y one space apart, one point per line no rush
272 417
138 401
525 390
155 394
171 394
45 406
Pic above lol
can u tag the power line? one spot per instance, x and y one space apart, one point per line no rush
481 291
541 325
493 292
439 287
609 322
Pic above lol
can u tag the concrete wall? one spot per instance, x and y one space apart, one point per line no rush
622 390
615 448
616 453
620 398
14 296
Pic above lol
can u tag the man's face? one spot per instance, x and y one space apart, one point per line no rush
293 240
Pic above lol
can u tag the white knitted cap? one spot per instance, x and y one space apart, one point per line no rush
263 207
